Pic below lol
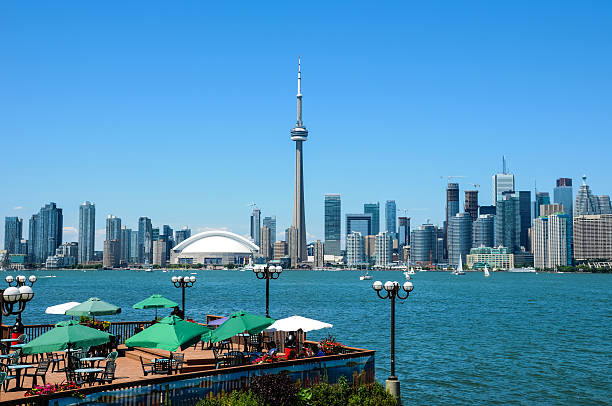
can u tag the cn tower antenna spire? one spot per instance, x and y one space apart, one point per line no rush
299 93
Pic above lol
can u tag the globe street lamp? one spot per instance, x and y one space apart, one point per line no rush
393 290
267 272
183 282
19 295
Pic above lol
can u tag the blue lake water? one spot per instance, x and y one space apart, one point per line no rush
506 339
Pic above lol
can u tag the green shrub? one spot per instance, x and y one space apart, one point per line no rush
332 395
275 390
371 395
235 398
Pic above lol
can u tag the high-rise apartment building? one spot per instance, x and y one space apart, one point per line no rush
112 254
333 221
113 228
452 207
540 199
133 247
502 182
256 225
525 214
265 246
459 237
593 237
471 203
49 225
13 233
159 251
361 222
487 210
424 245
404 231
384 249
374 210
280 249
293 246
319 255
354 249
145 240
483 231
182 235
369 248
508 223
551 243
270 222
87 232
32 237
391 218
126 244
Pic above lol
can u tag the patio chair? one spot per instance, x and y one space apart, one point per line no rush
72 376
108 375
41 370
177 362
255 343
56 360
147 368
220 361
13 359
224 345
162 367
74 362
7 377
83 353
236 358
112 356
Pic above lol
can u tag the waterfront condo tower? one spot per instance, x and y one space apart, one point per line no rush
299 134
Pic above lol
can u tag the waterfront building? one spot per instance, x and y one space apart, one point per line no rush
499 257
182 235
361 222
487 210
592 237
332 224
270 222
452 207
563 194
404 231
483 231
586 202
159 251
424 245
548 209
265 246
508 222
354 249
112 254
13 232
369 248
145 240
113 228
293 245
299 134
552 245
87 232
133 247
540 199
49 230
384 249
390 217
256 225
126 244
319 255
525 214
32 237
214 248
502 182
459 237
374 210
280 250
471 203
67 254
168 233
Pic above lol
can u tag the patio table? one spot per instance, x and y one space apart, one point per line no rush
18 369
90 372
92 360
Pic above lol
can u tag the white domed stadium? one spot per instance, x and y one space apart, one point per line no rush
217 247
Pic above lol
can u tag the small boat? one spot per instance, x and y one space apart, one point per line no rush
522 270
148 270
407 275
47 276
459 270
411 271
193 273
486 271
365 277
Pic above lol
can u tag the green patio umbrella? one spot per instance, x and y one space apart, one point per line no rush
155 302
93 307
240 322
66 334
169 334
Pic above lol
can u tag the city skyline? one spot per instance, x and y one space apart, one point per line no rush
48 102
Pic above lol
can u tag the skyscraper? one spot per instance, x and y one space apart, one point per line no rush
145 240
508 223
551 245
270 222
182 235
168 233
299 134
593 237
459 237
49 230
423 245
604 204
502 182
354 249
265 246
525 213
32 237
390 217
404 231
293 245
483 231
319 254
332 224
384 248
452 207
13 230
112 254
540 199
361 222
87 232
564 195
113 228
374 210
586 202
126 244
471 203
256 225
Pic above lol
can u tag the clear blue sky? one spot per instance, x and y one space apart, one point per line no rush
181 111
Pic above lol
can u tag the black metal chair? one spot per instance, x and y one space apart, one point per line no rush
255 343
56 360
177 362
236 358
7 376
147 367
108 375
72 376
220 361
162 366
41 371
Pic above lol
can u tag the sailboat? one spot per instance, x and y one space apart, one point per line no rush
365 277
459 270
486 270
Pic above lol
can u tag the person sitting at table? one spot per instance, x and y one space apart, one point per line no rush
290 345
176 311
320 352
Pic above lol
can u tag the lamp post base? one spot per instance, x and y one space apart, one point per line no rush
392 384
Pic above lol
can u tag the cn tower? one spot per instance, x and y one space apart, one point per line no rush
299 134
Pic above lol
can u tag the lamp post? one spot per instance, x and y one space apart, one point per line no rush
183 282
392 291
19 294
267 272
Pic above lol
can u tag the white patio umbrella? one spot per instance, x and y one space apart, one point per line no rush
295 323
61 308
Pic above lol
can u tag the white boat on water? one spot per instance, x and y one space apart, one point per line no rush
411 271
486 271
365 277
407 275
459 270
148 270
522 270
